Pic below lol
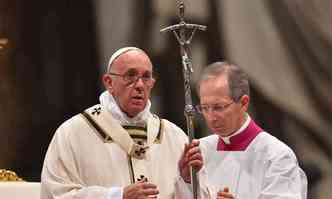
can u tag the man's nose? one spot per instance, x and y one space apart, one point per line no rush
210 115
139 82
209 111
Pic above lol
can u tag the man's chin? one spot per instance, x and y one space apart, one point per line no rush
136 109
216 130
219 131
223 134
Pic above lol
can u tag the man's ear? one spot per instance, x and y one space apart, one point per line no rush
153 82
245 99
108 82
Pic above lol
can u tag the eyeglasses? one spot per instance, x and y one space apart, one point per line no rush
216 108
131 78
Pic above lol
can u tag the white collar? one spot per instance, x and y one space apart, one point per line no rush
108 101
240 130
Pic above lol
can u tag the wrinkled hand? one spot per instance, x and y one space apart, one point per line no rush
140 190
225 194
191 157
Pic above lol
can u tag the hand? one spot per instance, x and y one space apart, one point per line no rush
225 194
140 190
191 157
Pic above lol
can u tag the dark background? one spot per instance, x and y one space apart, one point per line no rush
50 70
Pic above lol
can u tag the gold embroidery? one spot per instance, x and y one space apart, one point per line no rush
6 175
100 132
131 169
160 132
136 132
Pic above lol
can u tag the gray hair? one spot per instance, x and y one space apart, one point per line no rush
237 79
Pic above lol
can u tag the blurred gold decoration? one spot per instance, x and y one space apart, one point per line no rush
3 43
6 176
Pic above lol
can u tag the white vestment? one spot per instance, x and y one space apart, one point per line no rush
266 169
81 163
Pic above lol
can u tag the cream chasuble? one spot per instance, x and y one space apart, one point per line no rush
92 156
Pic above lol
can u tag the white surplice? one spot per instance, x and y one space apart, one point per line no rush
82 164
266 169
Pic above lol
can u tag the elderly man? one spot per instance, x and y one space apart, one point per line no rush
118 149
240 158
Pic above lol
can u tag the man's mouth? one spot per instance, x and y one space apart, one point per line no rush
138 99
216 128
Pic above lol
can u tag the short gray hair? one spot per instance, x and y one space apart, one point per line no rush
237 79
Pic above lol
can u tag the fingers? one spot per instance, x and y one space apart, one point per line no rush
225 194
149 188
150 192
146 185
195 142
193 156
141 190
186 149
195 161
188 146
191 152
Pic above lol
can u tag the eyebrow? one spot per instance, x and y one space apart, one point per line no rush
135 70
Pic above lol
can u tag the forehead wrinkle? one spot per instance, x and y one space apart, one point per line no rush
215 89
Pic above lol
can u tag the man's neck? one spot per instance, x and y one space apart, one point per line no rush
244 124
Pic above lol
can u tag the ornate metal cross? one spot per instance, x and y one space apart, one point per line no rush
180 31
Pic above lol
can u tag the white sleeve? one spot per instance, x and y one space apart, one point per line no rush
182 189
284 178
115 193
